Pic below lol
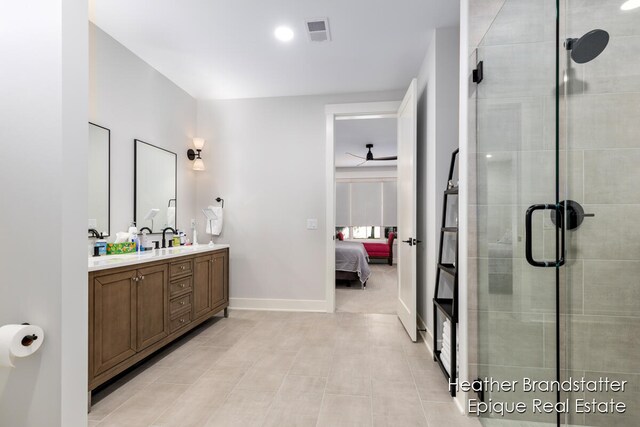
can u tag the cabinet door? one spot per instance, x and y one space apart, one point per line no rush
152 305
113 319
219 282
202 267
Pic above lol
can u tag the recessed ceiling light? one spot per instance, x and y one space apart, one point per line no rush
489 156
284 34
630 4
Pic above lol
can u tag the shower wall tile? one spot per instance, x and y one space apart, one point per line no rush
613 234
472 232
512 339
604 121
522 21
511 124
497 178
539 289
596 343
496 224
511 373
586 15
612 287
617 69
472 283
514 71
631 397
612 176
481 15
499 285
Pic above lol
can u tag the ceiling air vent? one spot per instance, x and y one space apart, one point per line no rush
318 30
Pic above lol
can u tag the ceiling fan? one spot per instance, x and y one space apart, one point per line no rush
370 157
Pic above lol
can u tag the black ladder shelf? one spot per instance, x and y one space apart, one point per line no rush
447 306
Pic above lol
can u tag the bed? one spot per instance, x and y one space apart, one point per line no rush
352 262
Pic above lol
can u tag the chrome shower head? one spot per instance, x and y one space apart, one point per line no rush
588 47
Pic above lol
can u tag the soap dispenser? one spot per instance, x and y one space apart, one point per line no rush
101 244
133 235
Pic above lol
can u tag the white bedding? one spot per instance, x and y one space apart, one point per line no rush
353 257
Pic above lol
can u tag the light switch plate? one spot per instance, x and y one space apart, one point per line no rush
312 224
193 223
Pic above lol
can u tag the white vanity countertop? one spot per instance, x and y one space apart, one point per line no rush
112 261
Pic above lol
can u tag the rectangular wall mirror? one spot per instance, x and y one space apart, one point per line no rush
155 189
99 177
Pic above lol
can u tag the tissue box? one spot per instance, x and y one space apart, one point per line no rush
120 248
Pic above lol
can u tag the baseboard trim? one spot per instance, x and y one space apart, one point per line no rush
427 337
278 304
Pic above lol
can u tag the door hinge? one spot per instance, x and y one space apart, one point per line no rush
478 73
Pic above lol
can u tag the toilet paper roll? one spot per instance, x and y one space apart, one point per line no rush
19 341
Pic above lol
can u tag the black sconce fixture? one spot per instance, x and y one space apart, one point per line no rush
194 156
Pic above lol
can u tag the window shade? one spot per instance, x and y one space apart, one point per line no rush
343 204
366 203
390 203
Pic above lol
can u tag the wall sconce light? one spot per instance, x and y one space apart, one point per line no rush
198 164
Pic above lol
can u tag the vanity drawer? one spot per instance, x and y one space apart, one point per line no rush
181 268
181 286
182 320
179 304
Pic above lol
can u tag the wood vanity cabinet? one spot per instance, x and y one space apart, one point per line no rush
136 310
209 278
152 317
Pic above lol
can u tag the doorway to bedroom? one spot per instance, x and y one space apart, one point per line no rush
366 218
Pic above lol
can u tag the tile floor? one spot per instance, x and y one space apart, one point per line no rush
380 296
285 369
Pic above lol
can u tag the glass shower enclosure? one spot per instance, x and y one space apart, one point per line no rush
554 256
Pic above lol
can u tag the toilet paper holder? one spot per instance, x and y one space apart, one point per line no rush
27 340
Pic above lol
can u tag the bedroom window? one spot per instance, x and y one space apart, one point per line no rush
388 230
366 232
344 231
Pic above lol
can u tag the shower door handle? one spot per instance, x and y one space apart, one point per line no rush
528 238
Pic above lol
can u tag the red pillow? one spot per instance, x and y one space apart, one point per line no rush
340 236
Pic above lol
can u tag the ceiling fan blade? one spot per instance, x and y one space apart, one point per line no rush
360 164
360 157
386 158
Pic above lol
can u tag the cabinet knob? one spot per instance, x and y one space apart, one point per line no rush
182 303
183 267
182 285
141 277
182 320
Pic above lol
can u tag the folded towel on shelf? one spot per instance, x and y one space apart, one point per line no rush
215 227
171 217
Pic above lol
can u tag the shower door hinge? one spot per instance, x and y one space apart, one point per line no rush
478 74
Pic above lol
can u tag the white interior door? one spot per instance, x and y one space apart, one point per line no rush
407 193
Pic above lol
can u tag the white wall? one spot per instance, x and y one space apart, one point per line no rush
266 158
43 173
135 101
437 138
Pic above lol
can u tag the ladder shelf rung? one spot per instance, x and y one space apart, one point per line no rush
452 190
446 306
448 268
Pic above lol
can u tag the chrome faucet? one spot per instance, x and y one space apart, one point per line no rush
164 236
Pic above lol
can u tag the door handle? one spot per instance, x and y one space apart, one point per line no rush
412 241
528 236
